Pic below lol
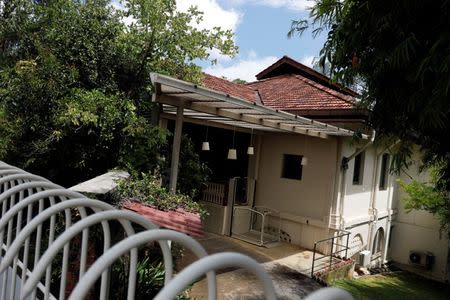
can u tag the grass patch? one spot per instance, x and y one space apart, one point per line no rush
395 286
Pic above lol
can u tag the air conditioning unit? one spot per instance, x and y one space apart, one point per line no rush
423 259
364 258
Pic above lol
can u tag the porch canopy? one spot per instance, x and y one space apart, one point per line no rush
189 102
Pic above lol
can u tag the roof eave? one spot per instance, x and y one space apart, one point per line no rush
158 80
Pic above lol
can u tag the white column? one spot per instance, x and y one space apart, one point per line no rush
176 150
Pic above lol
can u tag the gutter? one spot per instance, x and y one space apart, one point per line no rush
344 167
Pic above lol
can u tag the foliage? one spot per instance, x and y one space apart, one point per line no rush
425 196
193 174
396 286
404 64
147 188
239 81
150 276
75 86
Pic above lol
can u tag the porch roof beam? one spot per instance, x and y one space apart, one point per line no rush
203 99
279 126
238 117
247 128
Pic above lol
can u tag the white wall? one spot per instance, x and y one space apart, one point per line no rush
366 207
357 197
417 230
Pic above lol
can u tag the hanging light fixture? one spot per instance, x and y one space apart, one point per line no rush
205 144
232 151
304 158
250 149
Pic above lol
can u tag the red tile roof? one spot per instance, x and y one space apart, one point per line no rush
287 65
228 87
286 92
290 86
295 92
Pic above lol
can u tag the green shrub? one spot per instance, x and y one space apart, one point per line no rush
146 188
150 275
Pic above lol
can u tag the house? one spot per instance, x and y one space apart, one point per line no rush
284 159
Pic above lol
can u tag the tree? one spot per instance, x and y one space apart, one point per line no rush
404 62
239 81
75 86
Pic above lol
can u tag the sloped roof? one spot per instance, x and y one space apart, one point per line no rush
228 87
295 92
289 92
287 65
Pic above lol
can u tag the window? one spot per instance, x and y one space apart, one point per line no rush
384 171
292 166
358 169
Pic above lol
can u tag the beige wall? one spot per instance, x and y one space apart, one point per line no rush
304 204
418 231
310 197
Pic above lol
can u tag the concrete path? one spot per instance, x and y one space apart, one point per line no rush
288 265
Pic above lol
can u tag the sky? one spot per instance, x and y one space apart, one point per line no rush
260 28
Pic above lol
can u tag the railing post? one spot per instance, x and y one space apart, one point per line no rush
262 229
314 260
331 252
346 247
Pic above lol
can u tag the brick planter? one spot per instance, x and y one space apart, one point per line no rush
178 220
341 270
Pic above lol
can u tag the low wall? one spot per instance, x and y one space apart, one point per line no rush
218 218
341 270
303 231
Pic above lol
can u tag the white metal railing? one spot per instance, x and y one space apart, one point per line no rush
39 221
215 193
257 230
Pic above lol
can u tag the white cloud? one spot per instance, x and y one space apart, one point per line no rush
215 53
308 60
299 5
214 15
245 69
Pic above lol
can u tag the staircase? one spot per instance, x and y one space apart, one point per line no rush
336 253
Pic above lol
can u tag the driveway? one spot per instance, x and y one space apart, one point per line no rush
287 264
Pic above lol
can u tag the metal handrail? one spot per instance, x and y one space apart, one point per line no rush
266 212
331 237
332 253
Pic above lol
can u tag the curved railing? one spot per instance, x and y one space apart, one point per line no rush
42 222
